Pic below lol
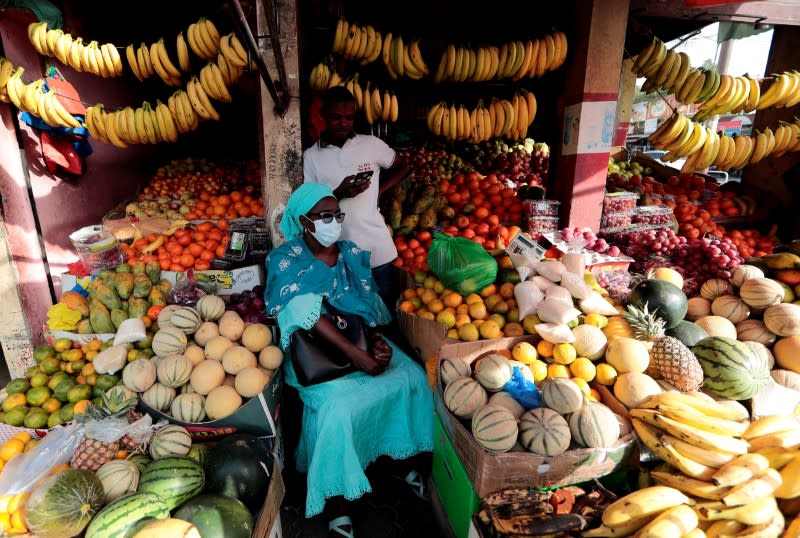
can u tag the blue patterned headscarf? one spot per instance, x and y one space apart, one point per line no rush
300 202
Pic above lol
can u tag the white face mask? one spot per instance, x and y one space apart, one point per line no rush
326 233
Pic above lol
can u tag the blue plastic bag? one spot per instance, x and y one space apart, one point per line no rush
523 390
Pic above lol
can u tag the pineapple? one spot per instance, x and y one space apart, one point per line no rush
91 454
672 359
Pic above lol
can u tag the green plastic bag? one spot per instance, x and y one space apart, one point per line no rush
460 264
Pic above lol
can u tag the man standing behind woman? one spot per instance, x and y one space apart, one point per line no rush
359 169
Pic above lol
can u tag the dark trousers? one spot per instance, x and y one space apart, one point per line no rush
386 279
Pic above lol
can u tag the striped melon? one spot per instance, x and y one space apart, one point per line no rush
186 319
454 368
174 371
210 307
166 313
493 372
118 477
171 440
464 396
698 307
731 368
787 378
761 292
562 395
731 308
783 319
494 428
175 479
158 396
544 432
139 375
62 504
117 518
169 341
594 426
754 330
504 399
714 287
189 407
745 272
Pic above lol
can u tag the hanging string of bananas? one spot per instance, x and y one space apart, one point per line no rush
702 148
32 98
202 39
670 71
502 117
357 43
377 105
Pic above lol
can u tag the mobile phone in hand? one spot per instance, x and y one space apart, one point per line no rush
361 177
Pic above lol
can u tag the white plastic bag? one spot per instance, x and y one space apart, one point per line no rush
556 311
575 284
112 429
131 330
528 297
550 269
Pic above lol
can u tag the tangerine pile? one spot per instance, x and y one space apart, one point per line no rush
237 204
188 248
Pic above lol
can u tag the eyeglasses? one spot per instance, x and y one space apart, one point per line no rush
327 216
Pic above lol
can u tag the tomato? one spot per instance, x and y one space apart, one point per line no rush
154 311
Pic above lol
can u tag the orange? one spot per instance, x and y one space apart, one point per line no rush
11 448
513 329
545 348
583 368
406 307
473 298
22 436
491 289
507 290
453 299
557 370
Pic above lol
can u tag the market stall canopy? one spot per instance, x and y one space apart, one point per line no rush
784 12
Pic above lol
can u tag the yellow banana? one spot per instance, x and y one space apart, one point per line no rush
166 63
62 47
642 503
146 62
770 424
756 513
149 129
790 488
690 434
643 58
111 131
712 458
67 119
689 486
740 469
15 88
753 489
339 35
198 94
674 522
394 110
130 54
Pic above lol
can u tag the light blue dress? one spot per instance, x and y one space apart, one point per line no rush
351 421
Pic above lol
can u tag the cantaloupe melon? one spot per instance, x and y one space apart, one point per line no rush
717 326
231 325
590 342
174 371
698 307
762 351
628 355
493 372
222 401
216 347
256 337
714 287
561 395
504 399
188 407
761 292
783 319
271 357
756 331
731 308
745 272
158 396
494 428
594 425
236 358
210 307
463 396
544 432
206 376
250 381
454 368
139 375
194 353
787 378
633 388
787 353
205 332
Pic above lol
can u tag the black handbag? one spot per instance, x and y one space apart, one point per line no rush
315 360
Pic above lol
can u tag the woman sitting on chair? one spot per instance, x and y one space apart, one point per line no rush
384 407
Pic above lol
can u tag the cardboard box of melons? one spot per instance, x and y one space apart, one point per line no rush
493 471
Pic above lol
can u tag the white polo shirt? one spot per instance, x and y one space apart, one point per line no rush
363 224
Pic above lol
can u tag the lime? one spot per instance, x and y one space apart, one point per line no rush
57 378
50 365
14 400
66 412
16 416
43 351
38 395
79 392
54 419
36 419
106 381
18 386
40 380
63 388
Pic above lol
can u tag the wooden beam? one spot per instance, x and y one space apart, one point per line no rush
786 12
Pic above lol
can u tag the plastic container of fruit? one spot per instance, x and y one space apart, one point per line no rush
615 202
542 224
617 219
652 214
545 208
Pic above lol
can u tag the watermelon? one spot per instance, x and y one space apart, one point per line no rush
663 298
141 461
731 368
117 519
220 516
687 332
63 504
175 479
240 466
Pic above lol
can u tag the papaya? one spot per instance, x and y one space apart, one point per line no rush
84 327
440 202
100 318
107 295
105 274
157 297
399 194
410 222
123 268
137 307
138 268
75 301
124 305
141 286
153 270
427 219
43 351
424 202
111 280
395 214
165 286
118 316
124 284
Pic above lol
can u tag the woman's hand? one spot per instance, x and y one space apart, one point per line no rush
367 363
381 351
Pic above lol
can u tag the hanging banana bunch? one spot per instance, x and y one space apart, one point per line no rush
354 86
6 70
323 77
502 118
357 43
101 60
378 106
403 59
32 98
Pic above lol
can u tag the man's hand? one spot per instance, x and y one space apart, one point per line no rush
350 187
